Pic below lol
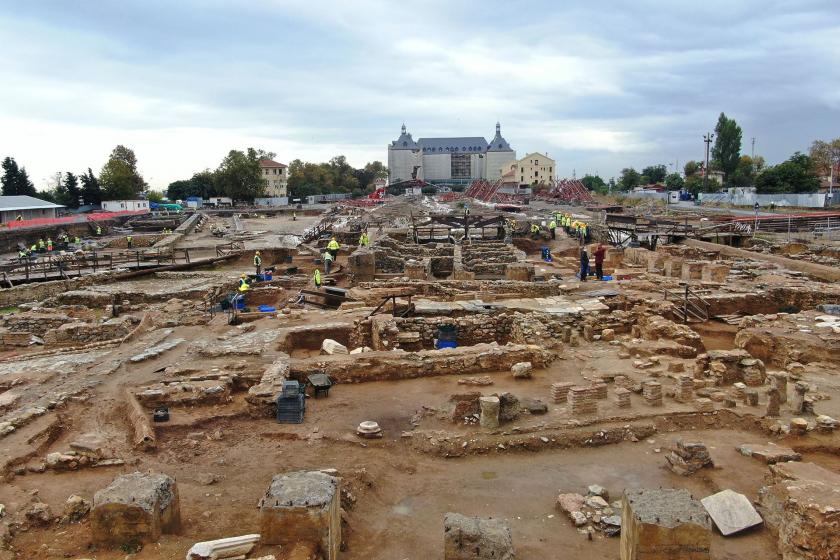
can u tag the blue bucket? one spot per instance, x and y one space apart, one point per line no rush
605 278
266 309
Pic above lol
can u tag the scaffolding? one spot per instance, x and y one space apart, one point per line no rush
570 190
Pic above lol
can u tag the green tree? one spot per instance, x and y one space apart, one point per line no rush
726 151
10 178
91 192
674 182
692 167
119 178
746 172
15 179
594 183
154 196
629 179
655 173
694 184
796 175
239 175
24 185
202 184
71 187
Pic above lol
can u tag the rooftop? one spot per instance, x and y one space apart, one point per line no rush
271 163
23 202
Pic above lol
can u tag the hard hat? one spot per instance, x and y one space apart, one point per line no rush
244 275
257 253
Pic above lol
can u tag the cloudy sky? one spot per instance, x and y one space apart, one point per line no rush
598 85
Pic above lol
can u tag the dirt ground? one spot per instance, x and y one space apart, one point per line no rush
397 488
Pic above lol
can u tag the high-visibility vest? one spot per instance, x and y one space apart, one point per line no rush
98 230
257 260
328 257
552 225
333 245
317 277
243 285
128 238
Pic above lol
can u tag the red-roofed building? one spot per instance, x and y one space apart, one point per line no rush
276 177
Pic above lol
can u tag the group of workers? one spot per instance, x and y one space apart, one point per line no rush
599 253
573 228
47 245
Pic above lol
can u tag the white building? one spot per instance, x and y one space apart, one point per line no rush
276 176
460 159
25 207
125 205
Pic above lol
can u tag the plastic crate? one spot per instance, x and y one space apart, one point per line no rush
290 410
290 389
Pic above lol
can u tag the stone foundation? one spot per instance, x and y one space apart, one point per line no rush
135 508
474 538
664 524
302 507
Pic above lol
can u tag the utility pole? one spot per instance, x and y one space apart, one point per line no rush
707 138
752 152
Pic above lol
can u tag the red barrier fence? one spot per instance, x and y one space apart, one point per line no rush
79 218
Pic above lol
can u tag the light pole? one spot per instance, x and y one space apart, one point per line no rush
707 138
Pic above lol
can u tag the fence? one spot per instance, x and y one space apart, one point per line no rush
77 219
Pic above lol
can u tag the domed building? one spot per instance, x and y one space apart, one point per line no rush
448 160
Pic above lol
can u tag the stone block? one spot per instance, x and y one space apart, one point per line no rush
519 271
692 270
135 507
769 453
522 370
489 412
714 272
330 347
664 524
302 507
731 512
475 538
229 547
673 267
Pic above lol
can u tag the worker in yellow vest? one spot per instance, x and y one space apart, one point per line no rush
317 278
243 283
257 262
333 247
129 241
49 244
552 226
364 240
98 230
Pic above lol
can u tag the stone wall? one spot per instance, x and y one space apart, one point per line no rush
35 322
382 366
81 333
800 502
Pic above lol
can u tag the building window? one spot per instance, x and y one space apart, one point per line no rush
549 170
536 173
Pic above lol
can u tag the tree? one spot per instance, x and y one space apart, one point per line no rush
71 186
796 175
119 178
655 173
594 183
674 182
692 167
239 175
25 186
91 193
10 176
694 184
154 196
202 184
629 179
727 149
746 172
824 155
15 180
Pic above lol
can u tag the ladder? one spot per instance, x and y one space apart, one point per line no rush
691 307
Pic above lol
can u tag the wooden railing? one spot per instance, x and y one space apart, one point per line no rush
691 306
